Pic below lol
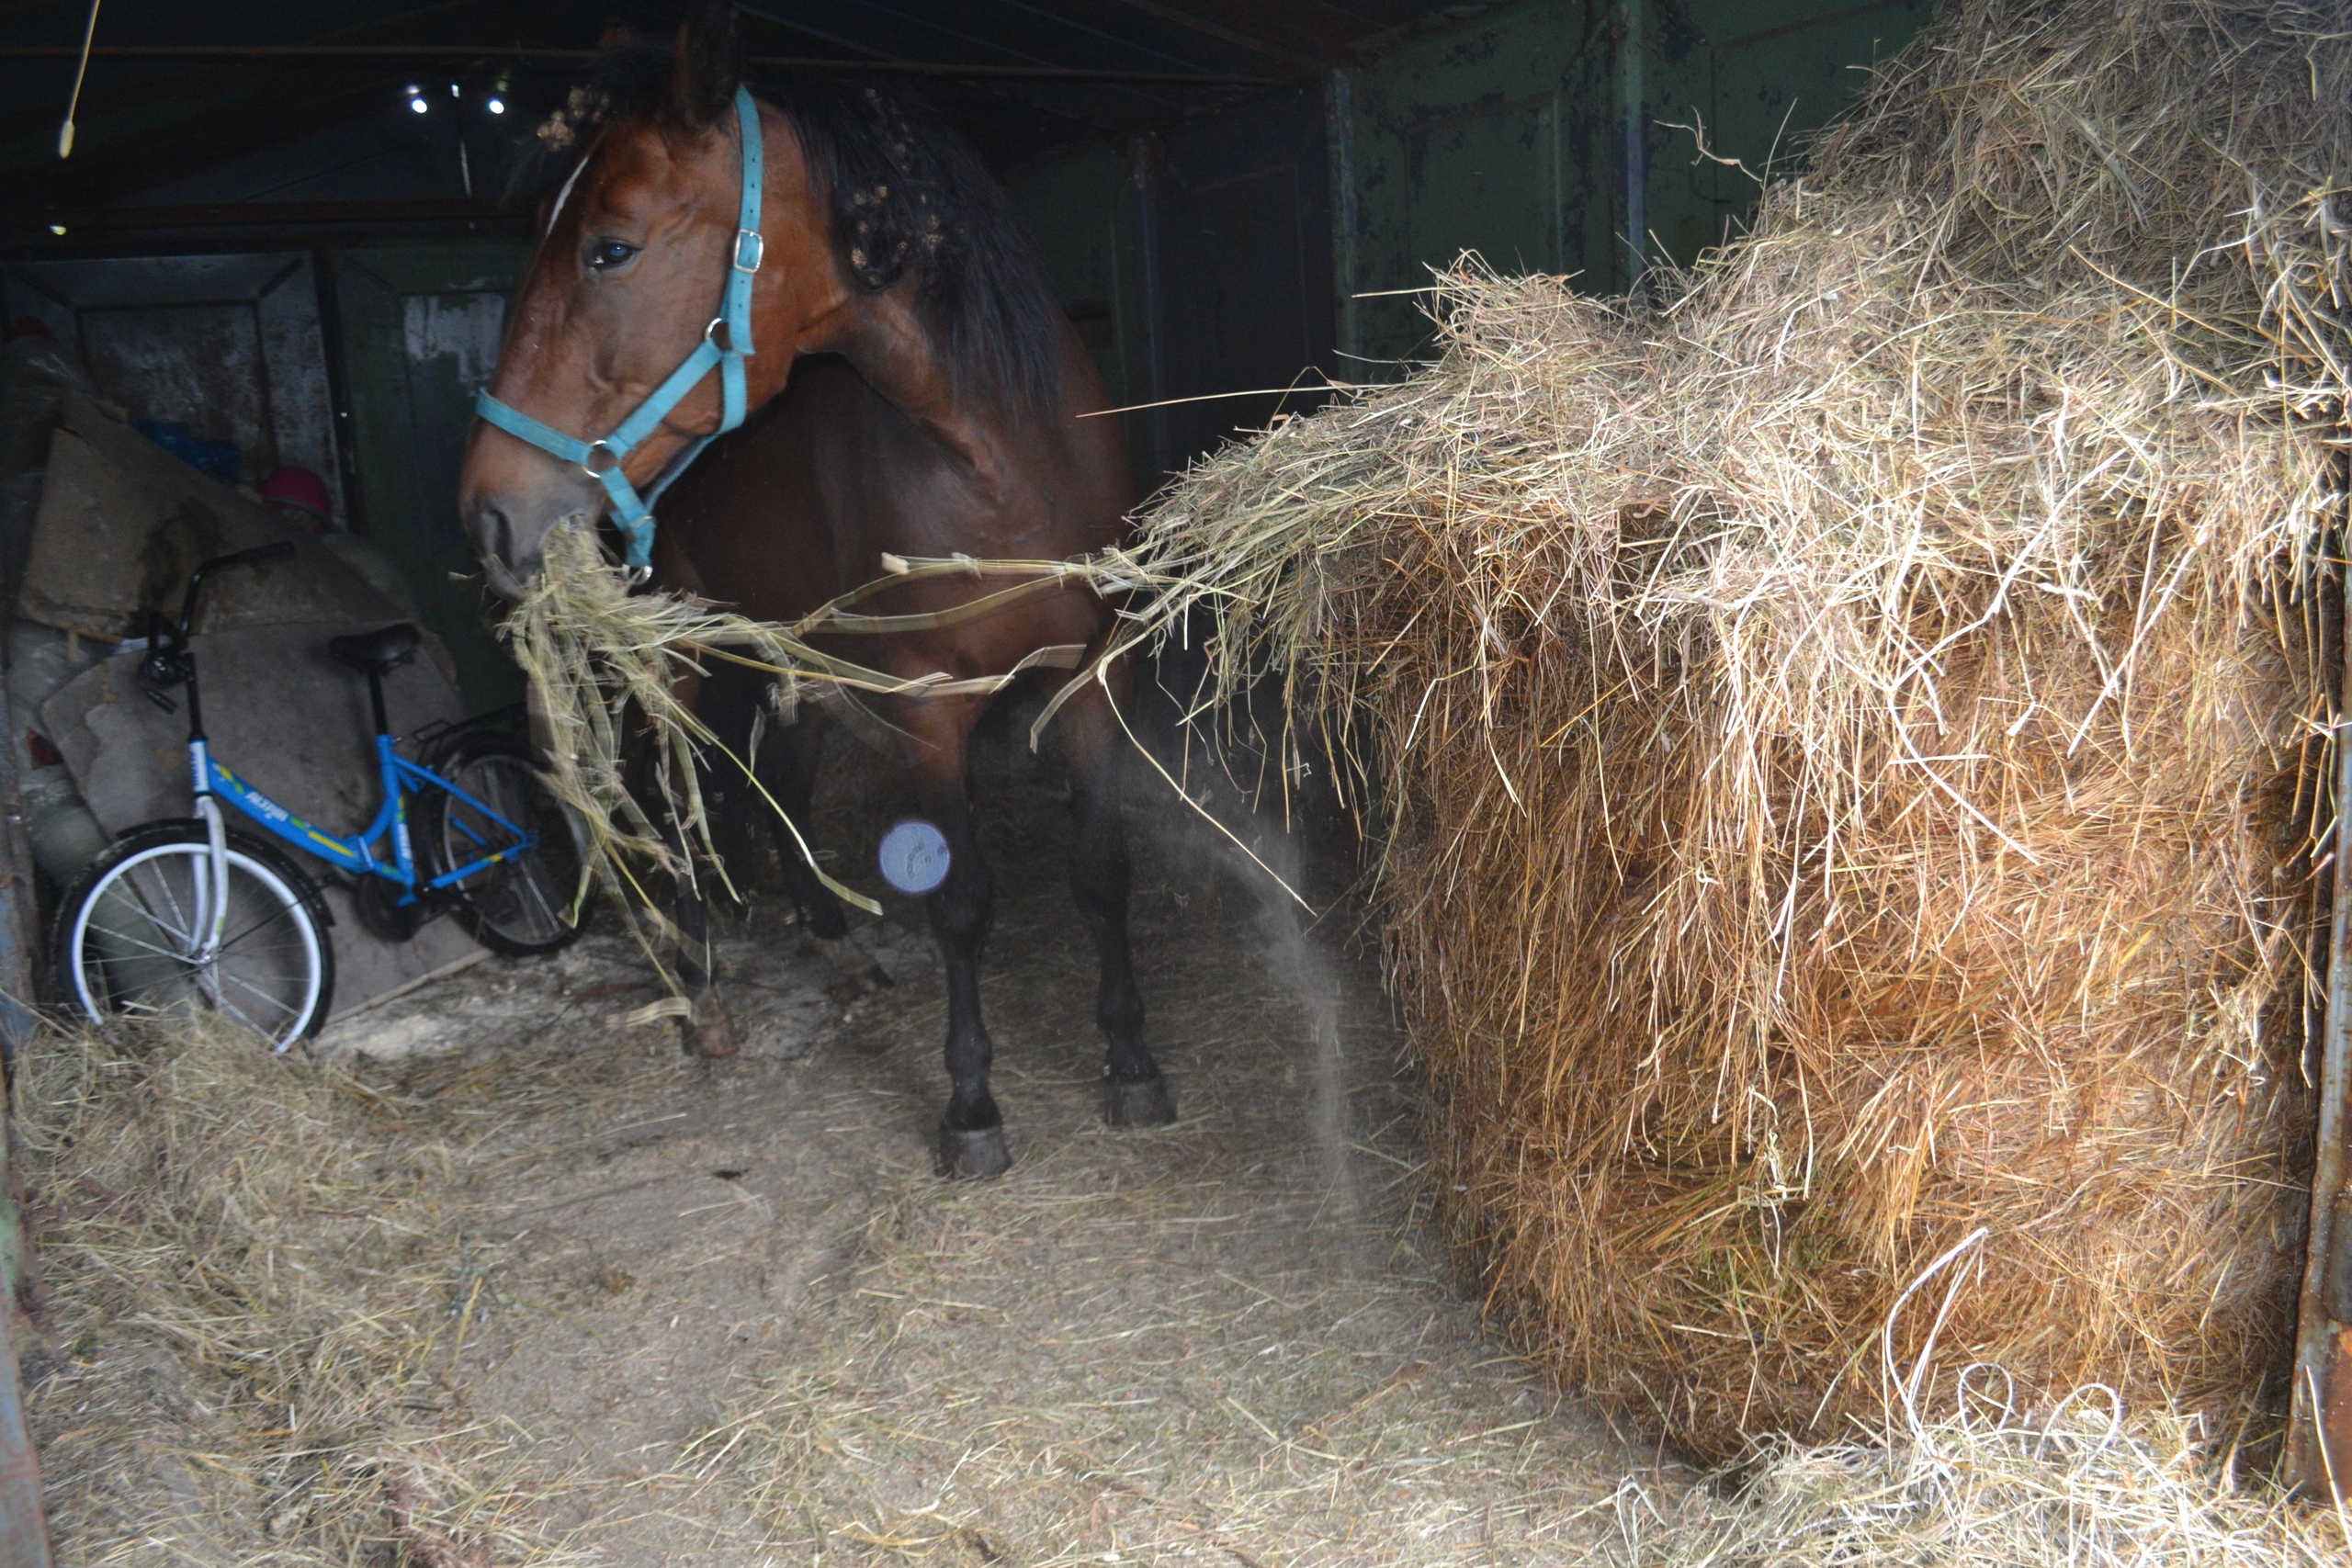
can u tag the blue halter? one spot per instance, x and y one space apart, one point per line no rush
602 459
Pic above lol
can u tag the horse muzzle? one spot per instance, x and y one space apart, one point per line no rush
509 536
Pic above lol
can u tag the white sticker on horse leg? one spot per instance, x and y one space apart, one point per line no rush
914 856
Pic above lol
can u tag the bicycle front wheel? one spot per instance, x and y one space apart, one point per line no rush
131 936
522 905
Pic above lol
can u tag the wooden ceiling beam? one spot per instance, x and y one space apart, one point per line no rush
302 54
233 108
1254 43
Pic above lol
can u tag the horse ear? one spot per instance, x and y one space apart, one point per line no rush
709 62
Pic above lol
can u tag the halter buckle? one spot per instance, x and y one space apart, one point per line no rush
717 323
637 575
589 464
749 242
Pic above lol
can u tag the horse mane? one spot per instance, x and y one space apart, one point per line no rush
908 197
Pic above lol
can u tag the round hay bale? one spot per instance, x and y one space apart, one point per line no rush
1845 732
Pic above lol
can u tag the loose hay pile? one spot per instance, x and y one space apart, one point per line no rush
254 1306
1845 736
2084 1490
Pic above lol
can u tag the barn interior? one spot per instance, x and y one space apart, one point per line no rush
293 227
285 238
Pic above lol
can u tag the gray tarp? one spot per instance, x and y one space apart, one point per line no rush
122 523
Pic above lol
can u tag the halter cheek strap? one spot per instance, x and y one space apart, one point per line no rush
603 458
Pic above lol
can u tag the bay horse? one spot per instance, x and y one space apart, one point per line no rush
910 389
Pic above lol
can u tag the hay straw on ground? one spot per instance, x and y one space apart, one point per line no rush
2085 1489
2088 1485
1846 734
254 1305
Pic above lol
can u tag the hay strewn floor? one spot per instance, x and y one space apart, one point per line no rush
540 1291
570 1297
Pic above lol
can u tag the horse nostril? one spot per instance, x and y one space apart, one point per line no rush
493 531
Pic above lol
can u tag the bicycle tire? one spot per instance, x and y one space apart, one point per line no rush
520 907
124 931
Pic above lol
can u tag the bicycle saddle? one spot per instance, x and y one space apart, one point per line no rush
377 652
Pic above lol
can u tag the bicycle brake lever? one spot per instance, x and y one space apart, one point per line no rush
157 671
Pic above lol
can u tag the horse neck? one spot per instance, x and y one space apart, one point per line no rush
901 358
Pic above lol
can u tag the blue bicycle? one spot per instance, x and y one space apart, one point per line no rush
185 914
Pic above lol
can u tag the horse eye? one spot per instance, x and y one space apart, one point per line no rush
606 255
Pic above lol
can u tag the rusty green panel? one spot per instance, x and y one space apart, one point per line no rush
1507 134
1762 79
421 323
24 1526
1491 136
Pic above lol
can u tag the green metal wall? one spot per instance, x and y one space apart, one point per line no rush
1507 134
419 326
1495 135
1080 207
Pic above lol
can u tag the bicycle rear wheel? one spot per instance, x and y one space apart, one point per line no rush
129 933
521 906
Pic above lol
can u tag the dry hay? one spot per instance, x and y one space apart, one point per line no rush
257 1291
2087 1484
2085 1488
1225 1342
961 1405
604 664
1845 735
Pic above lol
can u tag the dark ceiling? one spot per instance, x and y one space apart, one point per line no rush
1019 74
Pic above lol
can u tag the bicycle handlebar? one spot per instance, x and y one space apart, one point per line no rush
167 662
255 557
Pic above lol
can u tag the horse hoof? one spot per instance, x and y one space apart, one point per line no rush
1146 1102
712 1035
974 1156
854 975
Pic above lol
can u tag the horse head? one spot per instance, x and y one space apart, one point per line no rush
630 276
878 236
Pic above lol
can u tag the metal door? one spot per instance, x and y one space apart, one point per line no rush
421 323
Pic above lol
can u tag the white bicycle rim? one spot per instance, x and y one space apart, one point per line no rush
287 901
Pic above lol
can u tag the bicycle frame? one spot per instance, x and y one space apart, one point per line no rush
169 662
357 853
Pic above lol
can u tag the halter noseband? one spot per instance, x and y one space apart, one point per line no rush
602 458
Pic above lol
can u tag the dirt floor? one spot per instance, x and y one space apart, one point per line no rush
693 1315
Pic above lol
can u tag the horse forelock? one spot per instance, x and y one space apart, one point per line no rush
578 167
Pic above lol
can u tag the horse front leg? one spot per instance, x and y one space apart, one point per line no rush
787 762
971 1133
706 1030
1135 1092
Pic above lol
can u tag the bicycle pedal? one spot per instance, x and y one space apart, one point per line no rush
382 914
